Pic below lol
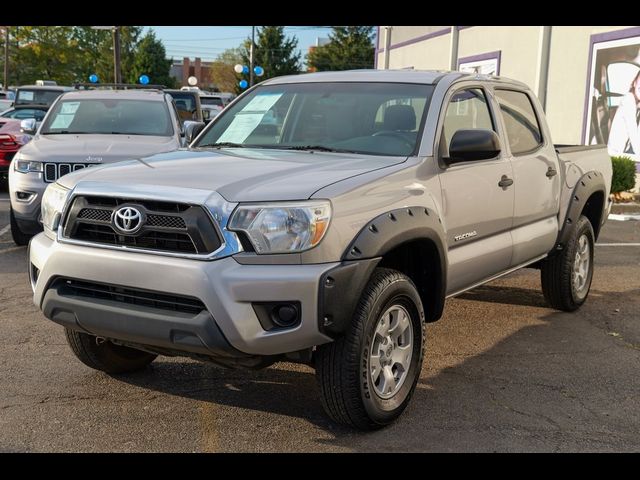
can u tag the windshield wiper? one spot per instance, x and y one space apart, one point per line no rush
222 145
320 148
65 132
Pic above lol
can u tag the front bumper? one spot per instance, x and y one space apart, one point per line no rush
225 287
26 210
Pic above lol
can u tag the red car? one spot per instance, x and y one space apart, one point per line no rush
11 139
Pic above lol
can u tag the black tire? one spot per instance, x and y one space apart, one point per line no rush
347 392
19 237
556 273
106 356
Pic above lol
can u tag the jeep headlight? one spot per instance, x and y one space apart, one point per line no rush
285 227
26 166
53 202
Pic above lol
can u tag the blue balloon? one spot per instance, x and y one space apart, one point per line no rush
144 79
93 78
259 71
245 69
243 84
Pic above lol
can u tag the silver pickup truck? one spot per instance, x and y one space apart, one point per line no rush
321 218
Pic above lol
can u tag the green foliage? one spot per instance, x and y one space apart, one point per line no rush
67 54
150 59
349 48
274 52
624 174
222 73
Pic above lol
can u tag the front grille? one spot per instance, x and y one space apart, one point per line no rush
169 227
53 171
133 296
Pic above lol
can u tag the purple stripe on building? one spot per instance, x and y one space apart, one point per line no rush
599 38
497 55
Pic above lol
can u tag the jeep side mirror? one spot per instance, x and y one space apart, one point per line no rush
191 130
28 126
476 144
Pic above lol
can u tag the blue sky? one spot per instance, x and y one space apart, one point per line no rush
208 42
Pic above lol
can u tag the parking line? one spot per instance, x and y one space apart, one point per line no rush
5 230
617 244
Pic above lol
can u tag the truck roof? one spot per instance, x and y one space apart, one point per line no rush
405 76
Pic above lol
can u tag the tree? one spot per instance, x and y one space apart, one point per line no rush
349 48
274 52
222 74
150 59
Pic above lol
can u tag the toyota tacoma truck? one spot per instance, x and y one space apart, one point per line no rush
324 219
85 129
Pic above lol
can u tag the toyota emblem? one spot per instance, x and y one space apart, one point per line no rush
127 219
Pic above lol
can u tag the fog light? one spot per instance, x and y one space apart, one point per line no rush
278 315
24 196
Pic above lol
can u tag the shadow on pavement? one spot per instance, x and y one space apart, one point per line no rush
560 383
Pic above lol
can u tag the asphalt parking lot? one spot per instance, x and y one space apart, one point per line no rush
502 373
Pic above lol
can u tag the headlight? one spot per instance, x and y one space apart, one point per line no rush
26 166
285 227
52 204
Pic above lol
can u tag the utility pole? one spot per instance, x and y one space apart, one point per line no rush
116 55
6 58
253 34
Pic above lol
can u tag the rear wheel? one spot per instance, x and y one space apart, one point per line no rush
104 355
19 237
368 376
566 277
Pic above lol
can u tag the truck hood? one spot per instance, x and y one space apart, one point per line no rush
95 148
239 175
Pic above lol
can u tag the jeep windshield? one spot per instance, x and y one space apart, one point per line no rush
110 117
367 118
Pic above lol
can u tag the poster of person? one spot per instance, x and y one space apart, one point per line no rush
613 106
484 67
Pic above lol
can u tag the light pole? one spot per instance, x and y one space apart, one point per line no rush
117 76
6 58
253 34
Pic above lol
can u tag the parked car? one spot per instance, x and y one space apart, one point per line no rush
43 95
188 104
87 129
11 140
328 235
5 104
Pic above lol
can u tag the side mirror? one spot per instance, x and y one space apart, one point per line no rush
206 114
28 126
191 130
469 145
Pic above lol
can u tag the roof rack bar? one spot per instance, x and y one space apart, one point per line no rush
123 86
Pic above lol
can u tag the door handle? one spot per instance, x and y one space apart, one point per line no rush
505 182
551 172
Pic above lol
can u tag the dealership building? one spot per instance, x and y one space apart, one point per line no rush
580 74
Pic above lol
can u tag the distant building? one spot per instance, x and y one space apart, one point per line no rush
181 70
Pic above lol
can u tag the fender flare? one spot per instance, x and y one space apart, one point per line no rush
341 287
590 183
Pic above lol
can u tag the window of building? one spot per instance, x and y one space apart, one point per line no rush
523 130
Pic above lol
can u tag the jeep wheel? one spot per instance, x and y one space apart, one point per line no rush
368 375
566 277
19 237
104 355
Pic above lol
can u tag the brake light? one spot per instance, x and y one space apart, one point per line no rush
7 140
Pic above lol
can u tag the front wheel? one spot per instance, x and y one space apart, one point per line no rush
19 237
101 354
566 277
368 376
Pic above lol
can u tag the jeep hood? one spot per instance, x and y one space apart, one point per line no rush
239 175
101 148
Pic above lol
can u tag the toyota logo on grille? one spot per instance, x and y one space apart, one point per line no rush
127 219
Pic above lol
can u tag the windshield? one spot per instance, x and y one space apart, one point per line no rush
37 97
109 116
374 118
211 101
24 113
